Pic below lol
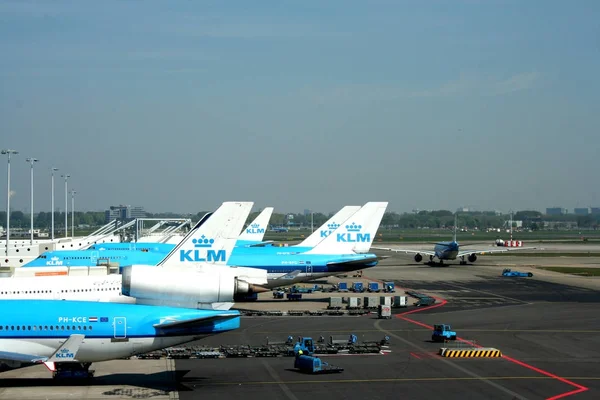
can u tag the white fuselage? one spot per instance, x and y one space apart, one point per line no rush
105 288
95 349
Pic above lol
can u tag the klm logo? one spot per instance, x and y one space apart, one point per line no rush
255 229
330 228
353 235
202 252
65 353
54 261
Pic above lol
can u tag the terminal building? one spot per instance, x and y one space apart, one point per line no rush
124 212
581 211
556 211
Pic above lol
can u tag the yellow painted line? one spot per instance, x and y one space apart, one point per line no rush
383 380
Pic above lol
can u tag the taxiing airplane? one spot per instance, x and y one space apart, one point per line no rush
448 251
207 284
68 336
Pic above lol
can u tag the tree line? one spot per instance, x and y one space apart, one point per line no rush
391 220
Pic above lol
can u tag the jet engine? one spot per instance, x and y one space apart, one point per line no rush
472 258
418 257
206 286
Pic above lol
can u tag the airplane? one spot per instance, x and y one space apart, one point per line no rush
205 285
311 241
152 253
449 251
254 233
137 253
344 250
68 336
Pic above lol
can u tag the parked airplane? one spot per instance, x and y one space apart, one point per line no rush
335 254
126 254
448 251
68 336
152 253
255 232
311 241
208 284
343 250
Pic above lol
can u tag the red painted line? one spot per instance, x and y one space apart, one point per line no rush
415 356
580 388
443 302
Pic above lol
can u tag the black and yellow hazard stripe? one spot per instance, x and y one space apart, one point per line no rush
477 353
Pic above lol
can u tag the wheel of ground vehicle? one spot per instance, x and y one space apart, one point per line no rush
453 337
529 274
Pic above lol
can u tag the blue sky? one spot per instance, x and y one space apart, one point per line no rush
181 105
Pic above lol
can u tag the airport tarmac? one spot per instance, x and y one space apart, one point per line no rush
546 327
548 333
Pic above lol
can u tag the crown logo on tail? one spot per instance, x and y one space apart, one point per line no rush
353 227
203 241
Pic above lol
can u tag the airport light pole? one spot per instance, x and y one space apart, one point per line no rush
8 152
53 170
66 176
73 212
31 161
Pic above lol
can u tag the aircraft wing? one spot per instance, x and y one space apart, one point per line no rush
21 357
407 251
290 275
195 322
357 261
261 244
492 250
66 352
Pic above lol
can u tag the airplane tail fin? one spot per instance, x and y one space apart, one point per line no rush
356 234
255 232
213 238
325 230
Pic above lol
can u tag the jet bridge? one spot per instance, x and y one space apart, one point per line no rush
150 235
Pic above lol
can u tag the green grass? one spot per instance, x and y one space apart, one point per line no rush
543 254
437 235
397 236
574 270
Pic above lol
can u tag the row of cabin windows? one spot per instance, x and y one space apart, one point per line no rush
81 258
62 291
45 328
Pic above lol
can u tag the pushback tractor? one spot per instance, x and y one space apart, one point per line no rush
442 332
304 360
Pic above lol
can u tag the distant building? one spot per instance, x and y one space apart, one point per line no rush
595 210
306 212
123 212
555 211
581 211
